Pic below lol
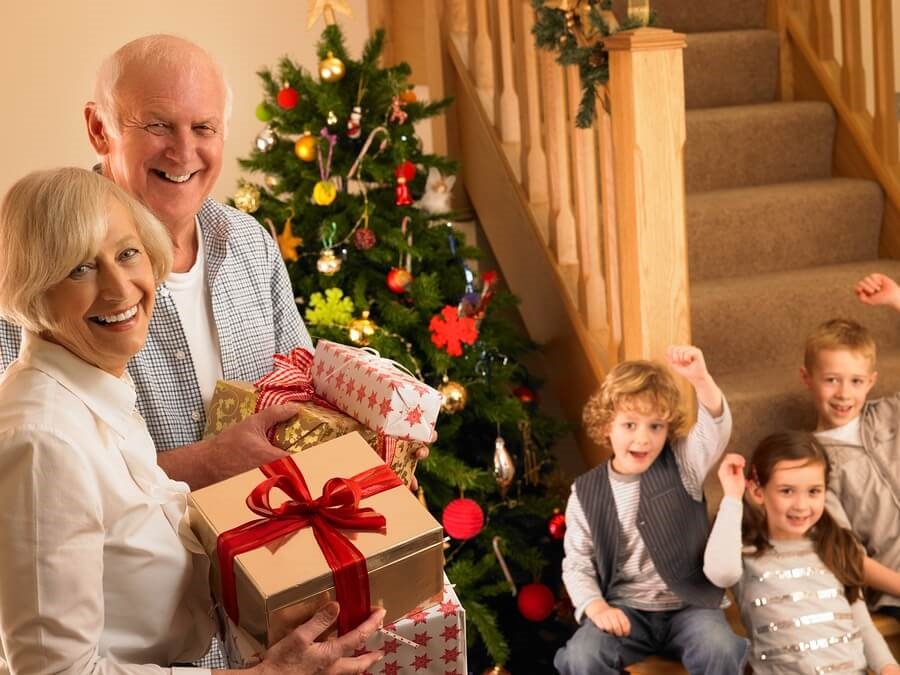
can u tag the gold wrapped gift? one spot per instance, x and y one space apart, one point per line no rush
233 401
281 584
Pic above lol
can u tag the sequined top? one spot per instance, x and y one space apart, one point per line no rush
794 609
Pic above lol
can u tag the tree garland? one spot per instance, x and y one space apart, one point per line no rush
575 30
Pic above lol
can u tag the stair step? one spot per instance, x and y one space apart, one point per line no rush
743 146
782 227
730 68
762 321
705 15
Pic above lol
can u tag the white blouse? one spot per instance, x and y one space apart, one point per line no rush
95 576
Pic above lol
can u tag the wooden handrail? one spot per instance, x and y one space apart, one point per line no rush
867 140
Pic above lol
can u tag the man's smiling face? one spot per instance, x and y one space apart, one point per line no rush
168 152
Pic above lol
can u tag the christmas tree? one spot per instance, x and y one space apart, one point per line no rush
363 220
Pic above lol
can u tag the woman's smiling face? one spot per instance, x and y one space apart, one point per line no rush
101 310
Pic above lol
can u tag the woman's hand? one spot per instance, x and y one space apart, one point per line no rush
298 653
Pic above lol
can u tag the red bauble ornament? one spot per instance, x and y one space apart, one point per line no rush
535 602
398 280
463 519
404 173
557 526
525 394
288 98
364 239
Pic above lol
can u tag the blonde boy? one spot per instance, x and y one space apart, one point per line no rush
861 439
637 526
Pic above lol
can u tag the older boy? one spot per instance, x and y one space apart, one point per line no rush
861 439
637 526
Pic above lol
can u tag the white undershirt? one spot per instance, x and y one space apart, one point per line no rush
190 291
848 434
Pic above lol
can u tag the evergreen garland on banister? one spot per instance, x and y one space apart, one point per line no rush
575 29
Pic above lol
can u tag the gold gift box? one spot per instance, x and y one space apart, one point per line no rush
280 585
234 401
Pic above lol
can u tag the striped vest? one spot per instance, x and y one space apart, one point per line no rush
673 525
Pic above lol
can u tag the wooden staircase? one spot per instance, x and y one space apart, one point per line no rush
731 201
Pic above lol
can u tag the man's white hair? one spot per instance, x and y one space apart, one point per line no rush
161 50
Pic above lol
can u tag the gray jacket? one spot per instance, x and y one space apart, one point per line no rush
865 484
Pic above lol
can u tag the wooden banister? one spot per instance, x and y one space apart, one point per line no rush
509 99
534 161
853 79
820 28
885 118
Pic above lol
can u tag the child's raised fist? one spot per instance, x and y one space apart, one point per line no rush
687 361
731 475
878 289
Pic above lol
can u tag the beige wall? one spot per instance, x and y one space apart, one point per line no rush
49 50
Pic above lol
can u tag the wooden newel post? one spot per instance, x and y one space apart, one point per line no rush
647 99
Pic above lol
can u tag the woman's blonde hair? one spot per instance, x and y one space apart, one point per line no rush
52 221
634 385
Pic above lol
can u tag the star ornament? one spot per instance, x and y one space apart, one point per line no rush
449 330
318 7
288 243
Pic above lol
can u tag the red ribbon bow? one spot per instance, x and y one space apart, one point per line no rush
291 380
338 507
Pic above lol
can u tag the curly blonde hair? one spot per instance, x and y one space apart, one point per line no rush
644 386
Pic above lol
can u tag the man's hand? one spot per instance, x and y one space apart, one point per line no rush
238 448
688 361
298 653
731 475
609 619
890 669
878 289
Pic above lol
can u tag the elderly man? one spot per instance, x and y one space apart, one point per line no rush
158 124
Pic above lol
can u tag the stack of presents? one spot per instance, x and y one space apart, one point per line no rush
334 520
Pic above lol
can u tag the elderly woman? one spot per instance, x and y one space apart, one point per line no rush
95 576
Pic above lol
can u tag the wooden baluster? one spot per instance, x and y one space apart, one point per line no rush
586 191
885 119
777 12
853 78
562 238
648 126
481 55
457 15
820 29
509 100
534 161
611 267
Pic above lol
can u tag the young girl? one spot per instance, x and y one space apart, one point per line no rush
799 576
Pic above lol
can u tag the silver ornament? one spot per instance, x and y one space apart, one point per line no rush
504 466
266 140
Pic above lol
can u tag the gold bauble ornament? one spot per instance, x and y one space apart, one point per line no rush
305 147
496 670
324 192
246 198
328 263
362 329
271 182
331 68
454 396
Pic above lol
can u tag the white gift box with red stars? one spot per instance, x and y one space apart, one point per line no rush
375 391
427 641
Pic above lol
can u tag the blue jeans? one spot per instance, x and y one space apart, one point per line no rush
700 638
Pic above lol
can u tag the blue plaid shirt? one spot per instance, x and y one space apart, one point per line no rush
254 312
